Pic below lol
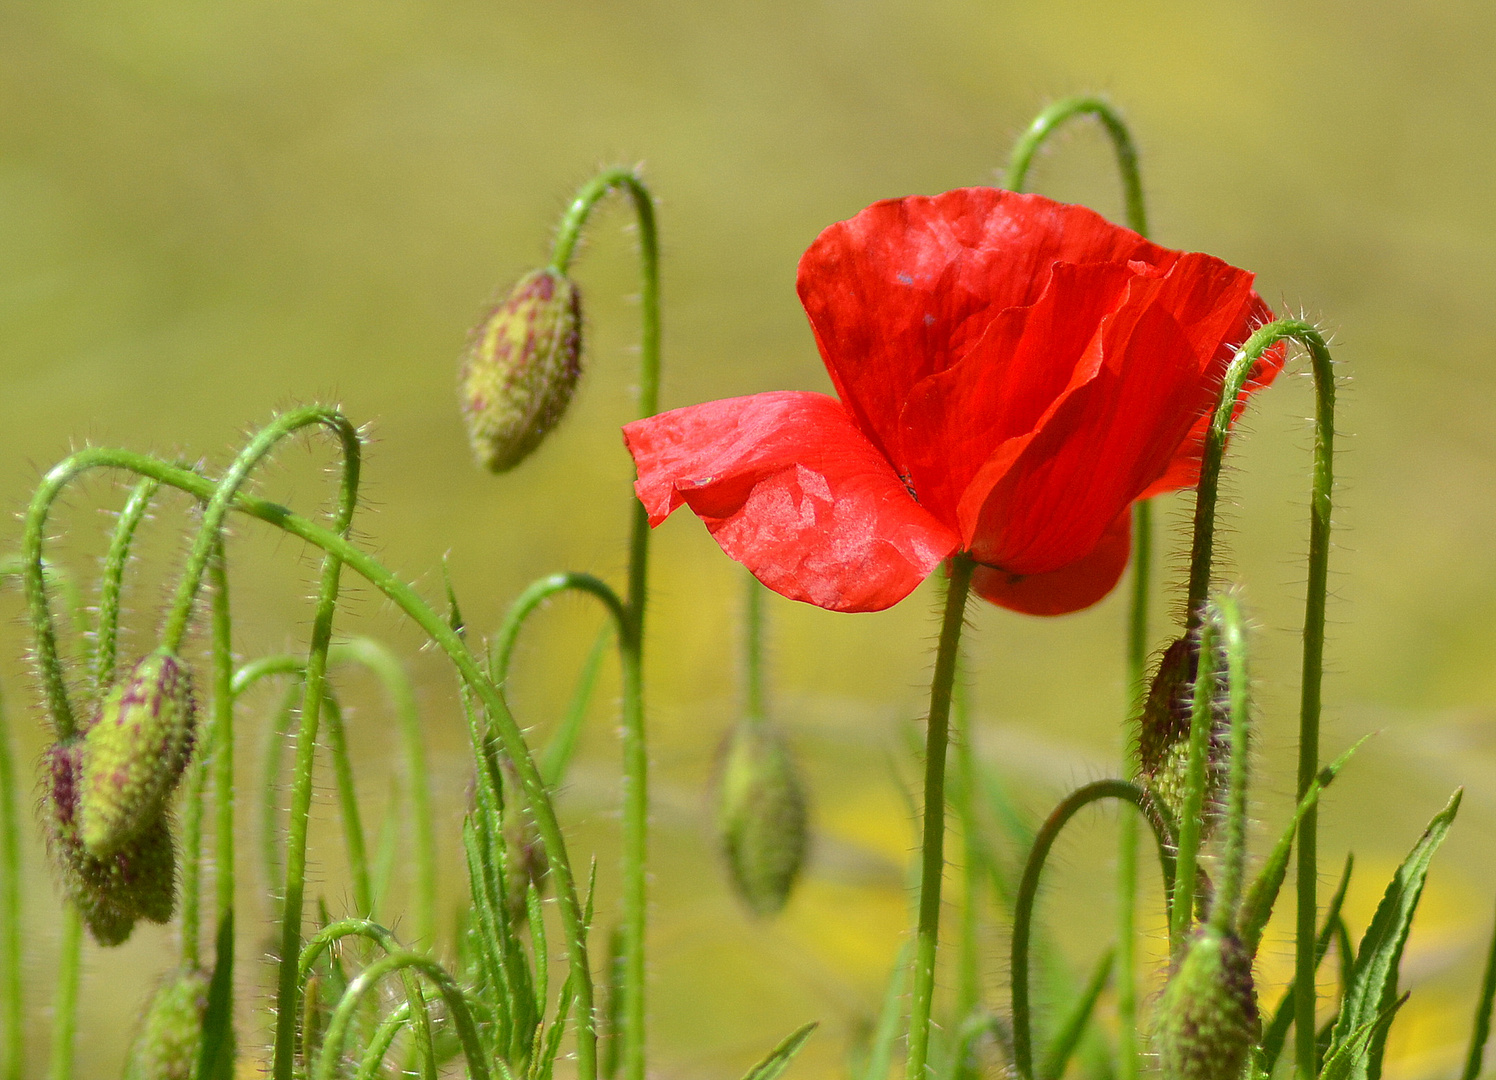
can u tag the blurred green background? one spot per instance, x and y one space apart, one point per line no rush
208 211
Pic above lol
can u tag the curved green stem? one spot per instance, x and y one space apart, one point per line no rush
112 579
501 650
932 845
1136 216
631 643
457 1006
1028 890
334 932
1237 375
387 667
450 641
65 1000
383 1039
1052 118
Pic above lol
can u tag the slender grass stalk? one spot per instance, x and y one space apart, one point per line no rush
932 846
1236 377
65 997
447 637
968 969
224 858
1231 632
563 743
353 826
1192 813
387 667
1480 1031
1046 124
755 704
12 984
1028 891
631 642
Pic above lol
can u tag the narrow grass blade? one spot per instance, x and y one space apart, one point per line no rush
773 1066
216 1059
1073 1027
557 753
1482 1028
880 1052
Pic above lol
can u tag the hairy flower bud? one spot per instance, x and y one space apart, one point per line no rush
761 816
1164 735
170 1037
134 753
521 367
1208 1019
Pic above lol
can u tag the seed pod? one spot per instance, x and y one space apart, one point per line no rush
134 753
170 1037
520 369
1164 735
1208 1019
761 816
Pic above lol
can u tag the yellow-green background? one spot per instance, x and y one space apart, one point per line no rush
208 211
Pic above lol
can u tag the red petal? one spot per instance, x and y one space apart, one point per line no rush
905 288
792 490
1184 468
1070 588
1044 499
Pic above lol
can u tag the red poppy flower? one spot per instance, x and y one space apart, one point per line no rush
1013 373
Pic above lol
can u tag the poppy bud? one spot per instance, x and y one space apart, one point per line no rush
137 882
134 753
1164 735
171 1033
521 367
761 816
1208 1019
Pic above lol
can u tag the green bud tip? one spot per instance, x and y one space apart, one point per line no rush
1208 1018
134 753
761 816
170 1036
1164 735
521 366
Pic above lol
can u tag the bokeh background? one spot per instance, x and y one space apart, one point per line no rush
209 211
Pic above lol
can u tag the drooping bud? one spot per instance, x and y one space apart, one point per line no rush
520 369
1208 1018
1164 735
134 753
761 816
170 1037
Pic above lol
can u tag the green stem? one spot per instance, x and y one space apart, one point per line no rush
457 1006
968 971
1136 217
1191 817
12 985
1050 119
1237 374
224 857
1028 891
1226 615
353 826
65 1002
631 642
112 579
449 639
932 846
1480 1030
754 703
387 667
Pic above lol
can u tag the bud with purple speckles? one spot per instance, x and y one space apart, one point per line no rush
1208 1018
1164 735
134 754
170 1036
521 367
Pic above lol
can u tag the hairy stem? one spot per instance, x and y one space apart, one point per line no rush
65 1000
932 847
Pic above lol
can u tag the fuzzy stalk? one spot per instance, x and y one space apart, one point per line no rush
12 985
65 998
932 847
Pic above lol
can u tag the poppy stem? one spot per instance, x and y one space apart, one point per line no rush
631 637
1237 375
65 997
1232 641
1136 217
932 849
1054 117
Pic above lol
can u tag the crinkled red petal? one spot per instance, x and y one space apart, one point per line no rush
1070 588
790 488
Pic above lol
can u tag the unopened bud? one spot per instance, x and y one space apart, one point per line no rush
1208 1018
521 367
170 1038
137 882
134 753
1164 735
761 816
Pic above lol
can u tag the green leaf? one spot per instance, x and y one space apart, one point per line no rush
1353 1057
1373 985
880 1053
1258 907
773 1066
1067 1038
1276 1032
1481 1029
216 1061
